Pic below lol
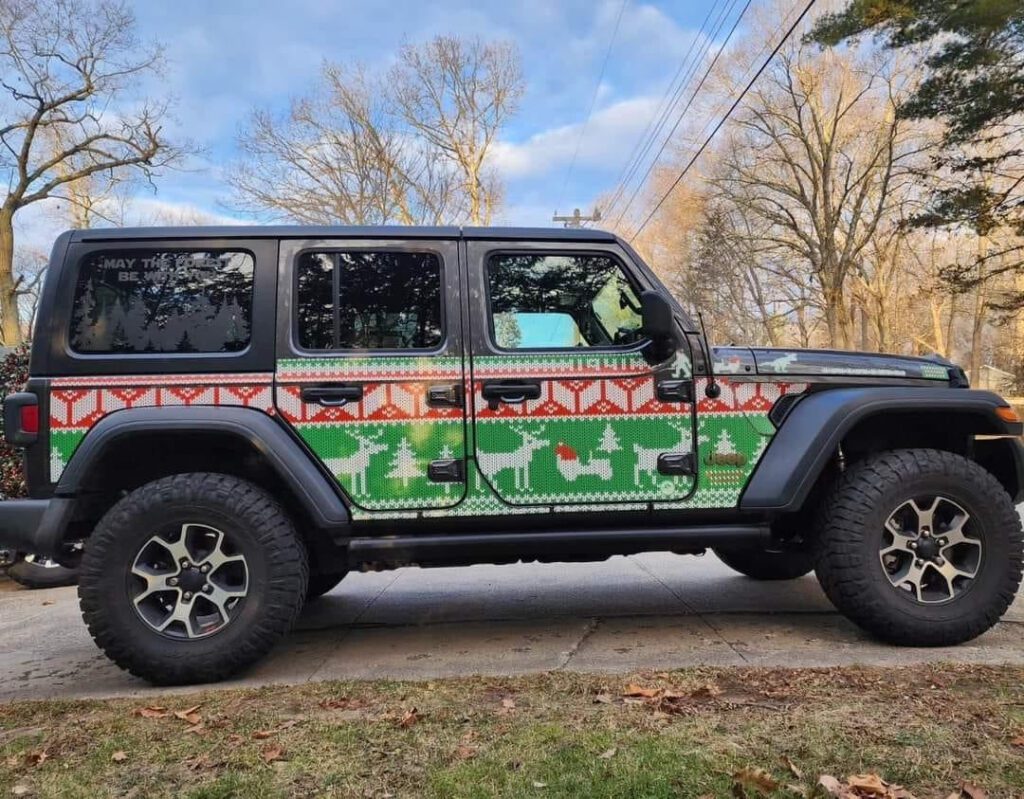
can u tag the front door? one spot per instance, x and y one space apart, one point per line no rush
370 369
571 406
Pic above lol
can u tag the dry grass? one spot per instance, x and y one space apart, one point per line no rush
681 733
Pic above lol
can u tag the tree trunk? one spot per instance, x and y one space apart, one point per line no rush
10 324
978 322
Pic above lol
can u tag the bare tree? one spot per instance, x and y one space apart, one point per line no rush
66 67
821 155
457 95
339 156
408 147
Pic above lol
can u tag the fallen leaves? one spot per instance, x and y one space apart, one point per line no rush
862 786
151 712
272 753
119 756
189 715
37 758
672 702
753 779
969 791
409 718
608 754
342 703
633 690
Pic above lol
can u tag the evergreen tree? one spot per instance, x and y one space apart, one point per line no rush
974 84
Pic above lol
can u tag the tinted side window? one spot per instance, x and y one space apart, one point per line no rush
369 300
540 301
148 301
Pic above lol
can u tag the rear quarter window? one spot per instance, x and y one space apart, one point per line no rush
162 301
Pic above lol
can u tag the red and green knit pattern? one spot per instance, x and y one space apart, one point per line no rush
378 448
590 441
77 403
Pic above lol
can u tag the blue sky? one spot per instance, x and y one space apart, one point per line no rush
230 56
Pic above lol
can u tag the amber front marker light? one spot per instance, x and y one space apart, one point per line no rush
1007 414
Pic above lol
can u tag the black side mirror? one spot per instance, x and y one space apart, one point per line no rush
656 316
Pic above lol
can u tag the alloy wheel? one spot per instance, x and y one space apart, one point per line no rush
929 550
188 583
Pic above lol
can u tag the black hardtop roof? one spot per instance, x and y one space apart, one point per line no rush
340 231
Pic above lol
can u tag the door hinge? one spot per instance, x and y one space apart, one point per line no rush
445 396
448 470
677 463
674 390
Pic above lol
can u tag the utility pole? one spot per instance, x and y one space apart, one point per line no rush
576 220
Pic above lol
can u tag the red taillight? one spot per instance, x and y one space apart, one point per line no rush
29 421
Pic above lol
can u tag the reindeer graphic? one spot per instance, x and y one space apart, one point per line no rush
647 458
356 466
491 464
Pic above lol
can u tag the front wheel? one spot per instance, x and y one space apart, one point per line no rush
920 547
191 578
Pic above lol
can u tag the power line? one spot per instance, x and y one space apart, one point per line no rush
682 115
723 120
593 100
661 113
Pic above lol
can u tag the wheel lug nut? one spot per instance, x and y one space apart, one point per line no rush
942 542
172 581
919 563
184 563
940 562
912 545
204 568
207 588
188 595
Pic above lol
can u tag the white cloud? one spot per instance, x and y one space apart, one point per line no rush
605 144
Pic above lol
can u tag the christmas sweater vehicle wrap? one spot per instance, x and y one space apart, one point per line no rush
78 403
590 441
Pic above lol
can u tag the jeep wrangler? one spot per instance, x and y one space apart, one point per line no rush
220 423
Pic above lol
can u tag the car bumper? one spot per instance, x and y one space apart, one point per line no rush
34 525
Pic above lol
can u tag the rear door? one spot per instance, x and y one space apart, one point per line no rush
370 367
570 407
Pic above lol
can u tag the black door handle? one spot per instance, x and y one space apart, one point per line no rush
332 395
510 391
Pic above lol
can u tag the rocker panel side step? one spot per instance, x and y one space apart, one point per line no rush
505 546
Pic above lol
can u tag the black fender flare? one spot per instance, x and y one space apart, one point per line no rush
811 432
285 455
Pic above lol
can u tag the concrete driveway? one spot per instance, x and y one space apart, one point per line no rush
655 610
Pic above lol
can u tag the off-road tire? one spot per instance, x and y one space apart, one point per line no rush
760 564
850 530
35 575
278 575
322 582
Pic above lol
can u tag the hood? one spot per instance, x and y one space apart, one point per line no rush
838 363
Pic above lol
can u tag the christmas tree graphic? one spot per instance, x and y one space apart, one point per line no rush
445 455
609 441
724 445
403 465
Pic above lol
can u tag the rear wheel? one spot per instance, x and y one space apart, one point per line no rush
760 564
33 571
191 578
920 547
